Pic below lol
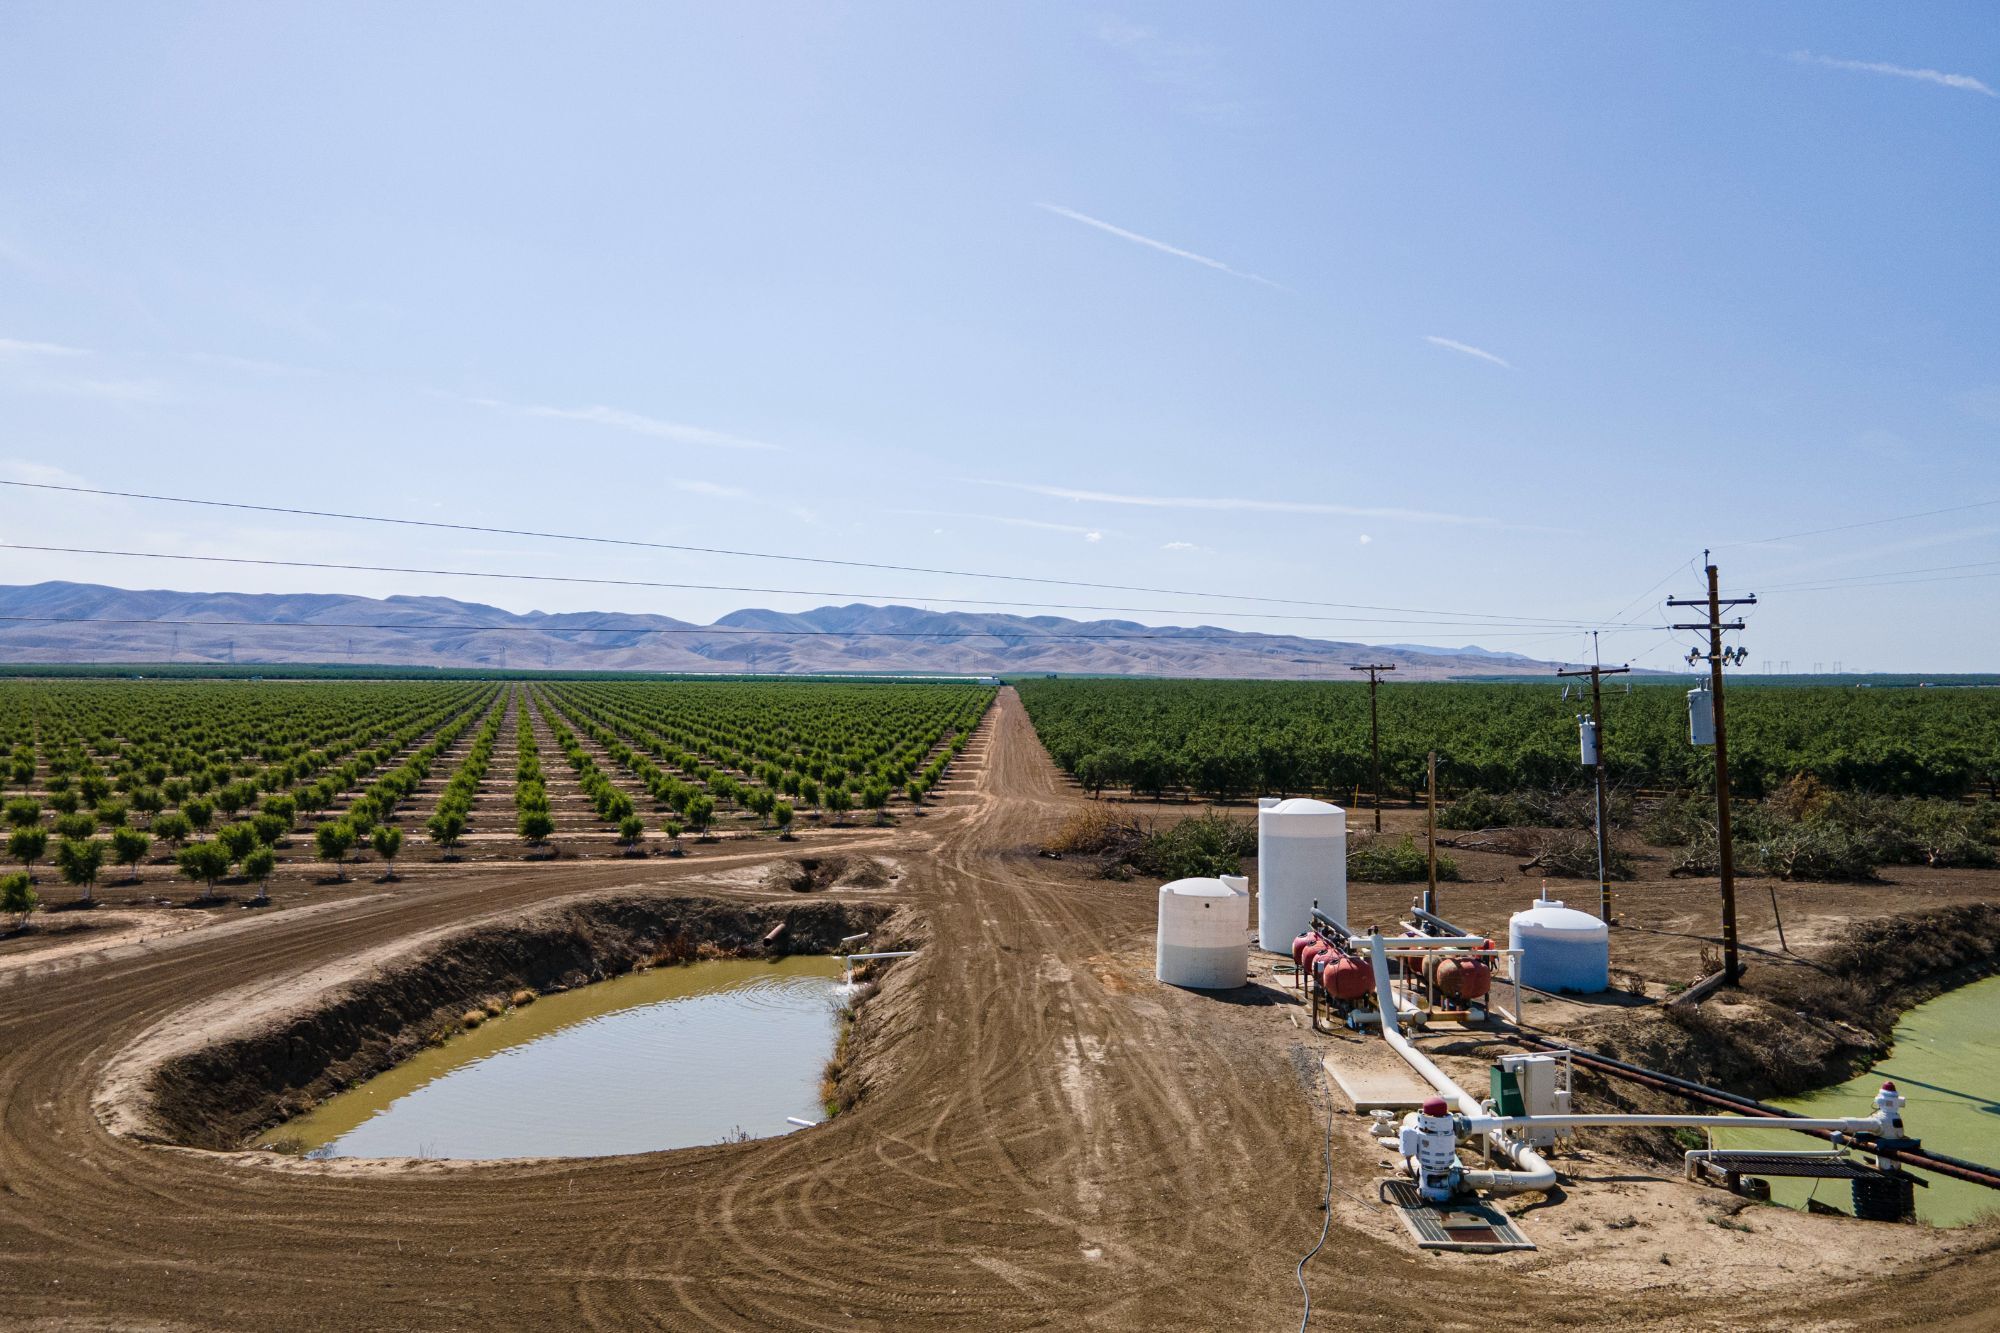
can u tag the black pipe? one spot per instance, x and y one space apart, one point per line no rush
1940 1163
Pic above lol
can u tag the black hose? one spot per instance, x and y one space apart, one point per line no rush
1326 1206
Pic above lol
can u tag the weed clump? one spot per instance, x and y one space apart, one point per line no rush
1375 860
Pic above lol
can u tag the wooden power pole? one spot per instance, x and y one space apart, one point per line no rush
1374 670
1593 754
1431 834
1716 657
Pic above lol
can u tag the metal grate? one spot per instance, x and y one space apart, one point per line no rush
1469 1225
1818 1166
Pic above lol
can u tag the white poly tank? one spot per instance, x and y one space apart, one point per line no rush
1301 857
1204 933
1562 949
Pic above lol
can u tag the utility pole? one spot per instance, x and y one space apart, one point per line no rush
1431 835
1374 734
1725 842
1594 756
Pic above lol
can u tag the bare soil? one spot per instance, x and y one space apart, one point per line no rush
1044 1136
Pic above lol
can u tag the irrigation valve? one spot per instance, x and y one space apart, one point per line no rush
1889 1110
1430 1140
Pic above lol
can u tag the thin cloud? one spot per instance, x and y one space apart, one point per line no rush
1235 504
1089 534
18 347
1962 82
1161 246
1188 546
1452 344
618 419
713 489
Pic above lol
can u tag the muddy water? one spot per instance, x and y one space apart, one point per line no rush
670 1058
1946 1061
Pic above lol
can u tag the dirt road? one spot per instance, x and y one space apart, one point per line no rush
1048 1140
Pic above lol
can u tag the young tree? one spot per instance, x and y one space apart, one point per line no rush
388 840
239 840
673 830
631 831
128 847
781 814
536 825
75 827
258 866
915 790
17 898
876 797
23 811
26 845
446 827
79 860
172 828
332 841
199 814
361 816
701 813
268 827
205 862
839 800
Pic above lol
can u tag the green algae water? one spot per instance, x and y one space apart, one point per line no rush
1946 1062
669 1058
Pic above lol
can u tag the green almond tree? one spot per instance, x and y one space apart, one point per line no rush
128 847
79 860
27 846
206 863
388 840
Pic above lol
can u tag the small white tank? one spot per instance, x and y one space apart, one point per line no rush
1562 949
1301 857
1204 933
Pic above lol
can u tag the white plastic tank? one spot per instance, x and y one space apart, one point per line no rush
1562 949
1204 933
1301 857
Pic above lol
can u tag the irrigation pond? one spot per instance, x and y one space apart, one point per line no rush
673 1057
1946 1062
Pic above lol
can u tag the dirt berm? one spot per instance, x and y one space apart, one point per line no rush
1793 1029
219 1095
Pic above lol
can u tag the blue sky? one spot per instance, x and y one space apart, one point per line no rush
1505 310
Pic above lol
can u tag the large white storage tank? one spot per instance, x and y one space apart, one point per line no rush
1204 933
1301 856
1562 949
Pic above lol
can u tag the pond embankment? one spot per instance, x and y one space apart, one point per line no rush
219 1093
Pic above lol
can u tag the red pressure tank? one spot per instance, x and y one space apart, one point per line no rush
1299 948
1315 951
1348 978
1464 978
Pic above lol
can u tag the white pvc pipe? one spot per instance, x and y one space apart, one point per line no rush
1535 1173
1488 1124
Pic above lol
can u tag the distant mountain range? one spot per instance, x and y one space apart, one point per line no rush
45 622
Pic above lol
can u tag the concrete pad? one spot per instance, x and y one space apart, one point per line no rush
1375 1087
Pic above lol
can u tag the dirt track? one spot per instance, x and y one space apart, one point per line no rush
1048 1140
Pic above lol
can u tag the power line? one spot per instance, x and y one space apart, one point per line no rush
1868 523
272 562
441 525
